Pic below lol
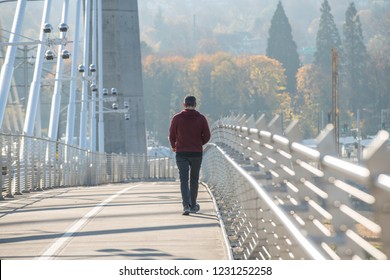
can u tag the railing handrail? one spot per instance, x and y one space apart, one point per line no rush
33 163
315 184
299 237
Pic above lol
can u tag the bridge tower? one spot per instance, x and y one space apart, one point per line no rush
123 71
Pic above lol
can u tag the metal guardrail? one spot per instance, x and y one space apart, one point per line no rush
282 200
33 164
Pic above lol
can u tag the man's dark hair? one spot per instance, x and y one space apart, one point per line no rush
190 100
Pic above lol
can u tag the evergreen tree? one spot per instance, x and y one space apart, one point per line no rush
281 46
356 60
327 38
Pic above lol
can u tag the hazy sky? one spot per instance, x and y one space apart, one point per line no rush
217 14
298 11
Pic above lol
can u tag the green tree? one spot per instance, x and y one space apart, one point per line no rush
328 37
282 47
356 60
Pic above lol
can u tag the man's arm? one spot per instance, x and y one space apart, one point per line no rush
206 132
172 135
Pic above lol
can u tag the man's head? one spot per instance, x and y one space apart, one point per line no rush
189 101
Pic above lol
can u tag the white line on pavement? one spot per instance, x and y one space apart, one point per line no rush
52 250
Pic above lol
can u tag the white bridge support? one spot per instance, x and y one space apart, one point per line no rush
7 69
33 97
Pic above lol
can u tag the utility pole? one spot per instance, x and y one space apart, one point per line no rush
383 119
335 105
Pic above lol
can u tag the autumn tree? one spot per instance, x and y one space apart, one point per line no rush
163 85
311 115
281 46
224 92
199 80
214 79
263 86
222 83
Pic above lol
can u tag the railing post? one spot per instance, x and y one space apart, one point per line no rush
26 157
9 160
16 176
1 168
377 160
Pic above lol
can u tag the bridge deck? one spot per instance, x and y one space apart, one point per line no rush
122 221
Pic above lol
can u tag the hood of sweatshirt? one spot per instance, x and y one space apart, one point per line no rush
190 114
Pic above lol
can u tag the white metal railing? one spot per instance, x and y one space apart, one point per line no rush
282 200
32 164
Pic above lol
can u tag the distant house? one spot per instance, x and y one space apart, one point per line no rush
370 3
238 43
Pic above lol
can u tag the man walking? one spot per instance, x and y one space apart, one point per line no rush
188 132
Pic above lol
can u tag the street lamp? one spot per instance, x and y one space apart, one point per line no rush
47 28
49 55
93 87
65 54
81 68
92 68
63 27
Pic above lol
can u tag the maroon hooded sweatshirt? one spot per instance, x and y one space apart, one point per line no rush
188 132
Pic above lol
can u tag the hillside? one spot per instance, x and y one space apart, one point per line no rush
199 24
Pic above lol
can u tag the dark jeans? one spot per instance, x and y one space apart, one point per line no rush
189 168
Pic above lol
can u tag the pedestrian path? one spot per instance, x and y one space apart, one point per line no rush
121 221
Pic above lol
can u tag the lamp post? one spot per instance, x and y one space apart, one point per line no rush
92 136
34 92
72 91
101 93
56 99
84 96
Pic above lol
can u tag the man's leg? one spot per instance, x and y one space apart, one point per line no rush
183 166
194 178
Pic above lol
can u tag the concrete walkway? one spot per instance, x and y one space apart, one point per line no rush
122 221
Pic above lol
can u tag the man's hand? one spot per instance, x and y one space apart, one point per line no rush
174 150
